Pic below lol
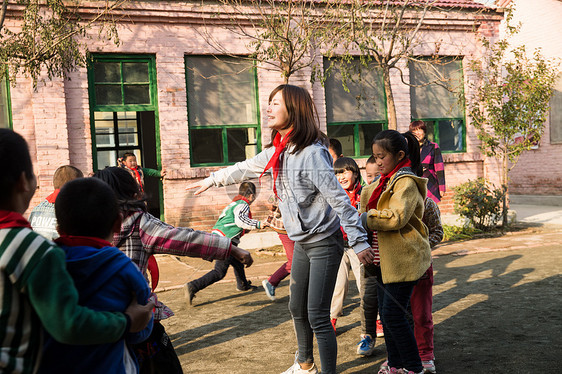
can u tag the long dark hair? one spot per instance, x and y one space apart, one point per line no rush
302 116
125 187
393 142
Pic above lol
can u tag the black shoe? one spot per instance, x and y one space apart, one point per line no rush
189 293
247 287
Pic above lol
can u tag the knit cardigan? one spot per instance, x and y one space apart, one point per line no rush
403 237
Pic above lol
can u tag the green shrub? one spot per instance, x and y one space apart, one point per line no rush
479 203
456 233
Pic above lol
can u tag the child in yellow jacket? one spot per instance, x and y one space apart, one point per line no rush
392 209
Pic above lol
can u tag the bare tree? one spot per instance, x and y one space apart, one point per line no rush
386 32
37 35
284 36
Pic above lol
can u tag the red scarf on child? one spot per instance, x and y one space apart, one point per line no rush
53 197
80 241
273 163
9 220
383 180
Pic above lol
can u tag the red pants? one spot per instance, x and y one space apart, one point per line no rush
421 302
285 269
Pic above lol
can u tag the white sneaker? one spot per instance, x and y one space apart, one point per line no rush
296 368
429 367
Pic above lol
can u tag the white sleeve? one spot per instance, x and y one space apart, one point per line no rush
241 171
242 218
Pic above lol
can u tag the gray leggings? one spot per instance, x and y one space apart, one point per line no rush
313 277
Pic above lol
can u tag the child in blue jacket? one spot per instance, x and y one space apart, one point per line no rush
87 214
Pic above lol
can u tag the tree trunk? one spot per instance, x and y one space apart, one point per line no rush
505 191
390 107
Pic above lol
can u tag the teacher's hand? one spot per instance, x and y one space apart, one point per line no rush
202 186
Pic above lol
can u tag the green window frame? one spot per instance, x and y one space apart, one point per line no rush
223 110
120 86
354 116
434 97
5 104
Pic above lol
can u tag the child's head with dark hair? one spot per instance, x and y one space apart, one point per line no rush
87 207
124 186
371 169
65 174
346 163
391 147
130 160
247 190
335 148
347 172
17 172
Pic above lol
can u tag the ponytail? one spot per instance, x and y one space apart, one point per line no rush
414 153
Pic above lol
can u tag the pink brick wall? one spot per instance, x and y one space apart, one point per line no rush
56 120
539 171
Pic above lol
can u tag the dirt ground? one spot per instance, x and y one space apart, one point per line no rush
497 309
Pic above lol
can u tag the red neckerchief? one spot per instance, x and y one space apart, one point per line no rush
77 241
355 194
53 197
273 163
137 177
9 220
383 180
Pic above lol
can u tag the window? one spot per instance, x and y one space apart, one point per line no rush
122 90
222 110
116 133
5 108
123 115
355 117
556 113
435 100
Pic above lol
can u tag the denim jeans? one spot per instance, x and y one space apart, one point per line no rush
400 342
219 272
313 277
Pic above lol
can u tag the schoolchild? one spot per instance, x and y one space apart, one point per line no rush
371 170
421 301
335 148
347 172
42 217
393 210
313 206
129 163
106 279
234 220
37 293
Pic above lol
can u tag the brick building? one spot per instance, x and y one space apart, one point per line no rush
166 94
541 28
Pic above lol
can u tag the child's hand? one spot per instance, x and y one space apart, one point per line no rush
264 224
242 255
163 173
367 257
139 314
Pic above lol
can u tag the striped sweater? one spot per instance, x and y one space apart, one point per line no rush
36 290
